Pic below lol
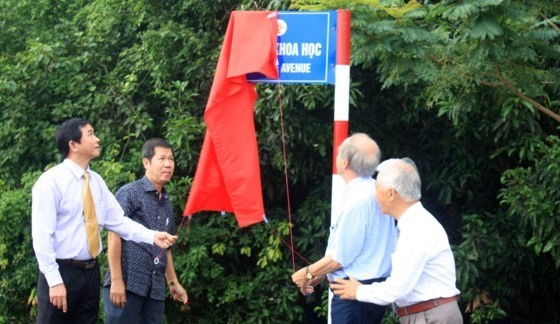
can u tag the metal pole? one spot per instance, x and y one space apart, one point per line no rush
341 104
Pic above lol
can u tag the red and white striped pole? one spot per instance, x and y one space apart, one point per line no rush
341 104
341 101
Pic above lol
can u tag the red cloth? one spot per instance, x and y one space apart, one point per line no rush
228 173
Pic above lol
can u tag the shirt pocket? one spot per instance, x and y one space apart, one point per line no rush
100 211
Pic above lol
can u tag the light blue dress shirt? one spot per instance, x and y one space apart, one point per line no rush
361 240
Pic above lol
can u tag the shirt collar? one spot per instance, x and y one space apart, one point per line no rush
354 182
148 186
76 170
406 217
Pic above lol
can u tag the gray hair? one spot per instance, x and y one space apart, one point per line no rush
402 176
361 159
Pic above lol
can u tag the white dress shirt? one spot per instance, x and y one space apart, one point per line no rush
361 240
423 265
58 225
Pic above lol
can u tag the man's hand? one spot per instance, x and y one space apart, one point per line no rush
164 240
300 279
117 293
345 289
313 282
57 297
179 293
317 280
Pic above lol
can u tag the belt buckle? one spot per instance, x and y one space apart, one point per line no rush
90 265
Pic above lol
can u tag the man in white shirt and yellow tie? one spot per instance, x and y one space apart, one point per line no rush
70 204
422 280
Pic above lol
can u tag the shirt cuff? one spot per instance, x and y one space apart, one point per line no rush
148 236
361 293
53 278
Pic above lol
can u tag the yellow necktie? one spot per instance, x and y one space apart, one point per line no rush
92 230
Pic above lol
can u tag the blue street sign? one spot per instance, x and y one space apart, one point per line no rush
306 48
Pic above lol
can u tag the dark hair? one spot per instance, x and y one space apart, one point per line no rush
70 130
148 149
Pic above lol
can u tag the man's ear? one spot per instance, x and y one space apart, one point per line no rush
345 164
392 193
73 146
145 163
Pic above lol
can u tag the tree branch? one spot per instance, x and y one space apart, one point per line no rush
521 95
550 22
505 83
492 84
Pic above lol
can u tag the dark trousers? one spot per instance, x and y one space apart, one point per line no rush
345 311
82 296
138 309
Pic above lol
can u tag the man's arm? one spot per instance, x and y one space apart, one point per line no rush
129 229
43 224
318 269
43 227
114 257
325 265
179 293
408 263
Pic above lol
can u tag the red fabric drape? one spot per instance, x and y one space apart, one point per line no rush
228 173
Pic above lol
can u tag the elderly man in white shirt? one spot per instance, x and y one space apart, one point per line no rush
422 280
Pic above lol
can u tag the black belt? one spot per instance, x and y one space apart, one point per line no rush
370 281
366 282
81 264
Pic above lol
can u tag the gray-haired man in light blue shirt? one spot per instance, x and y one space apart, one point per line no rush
361 239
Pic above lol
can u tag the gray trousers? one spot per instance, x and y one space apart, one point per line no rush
447 313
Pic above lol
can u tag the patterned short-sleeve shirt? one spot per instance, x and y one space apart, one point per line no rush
142 273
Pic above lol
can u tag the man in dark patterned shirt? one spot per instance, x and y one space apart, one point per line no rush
134 286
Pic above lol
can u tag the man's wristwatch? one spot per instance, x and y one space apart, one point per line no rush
308 274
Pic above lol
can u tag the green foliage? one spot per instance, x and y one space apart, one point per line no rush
305 126
247 271
18 275
486 27
532 196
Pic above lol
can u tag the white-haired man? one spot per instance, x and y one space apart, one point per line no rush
422 280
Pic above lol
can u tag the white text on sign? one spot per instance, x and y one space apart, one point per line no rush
293 49
296 68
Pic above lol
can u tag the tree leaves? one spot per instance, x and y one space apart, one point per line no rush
486 27
533 197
